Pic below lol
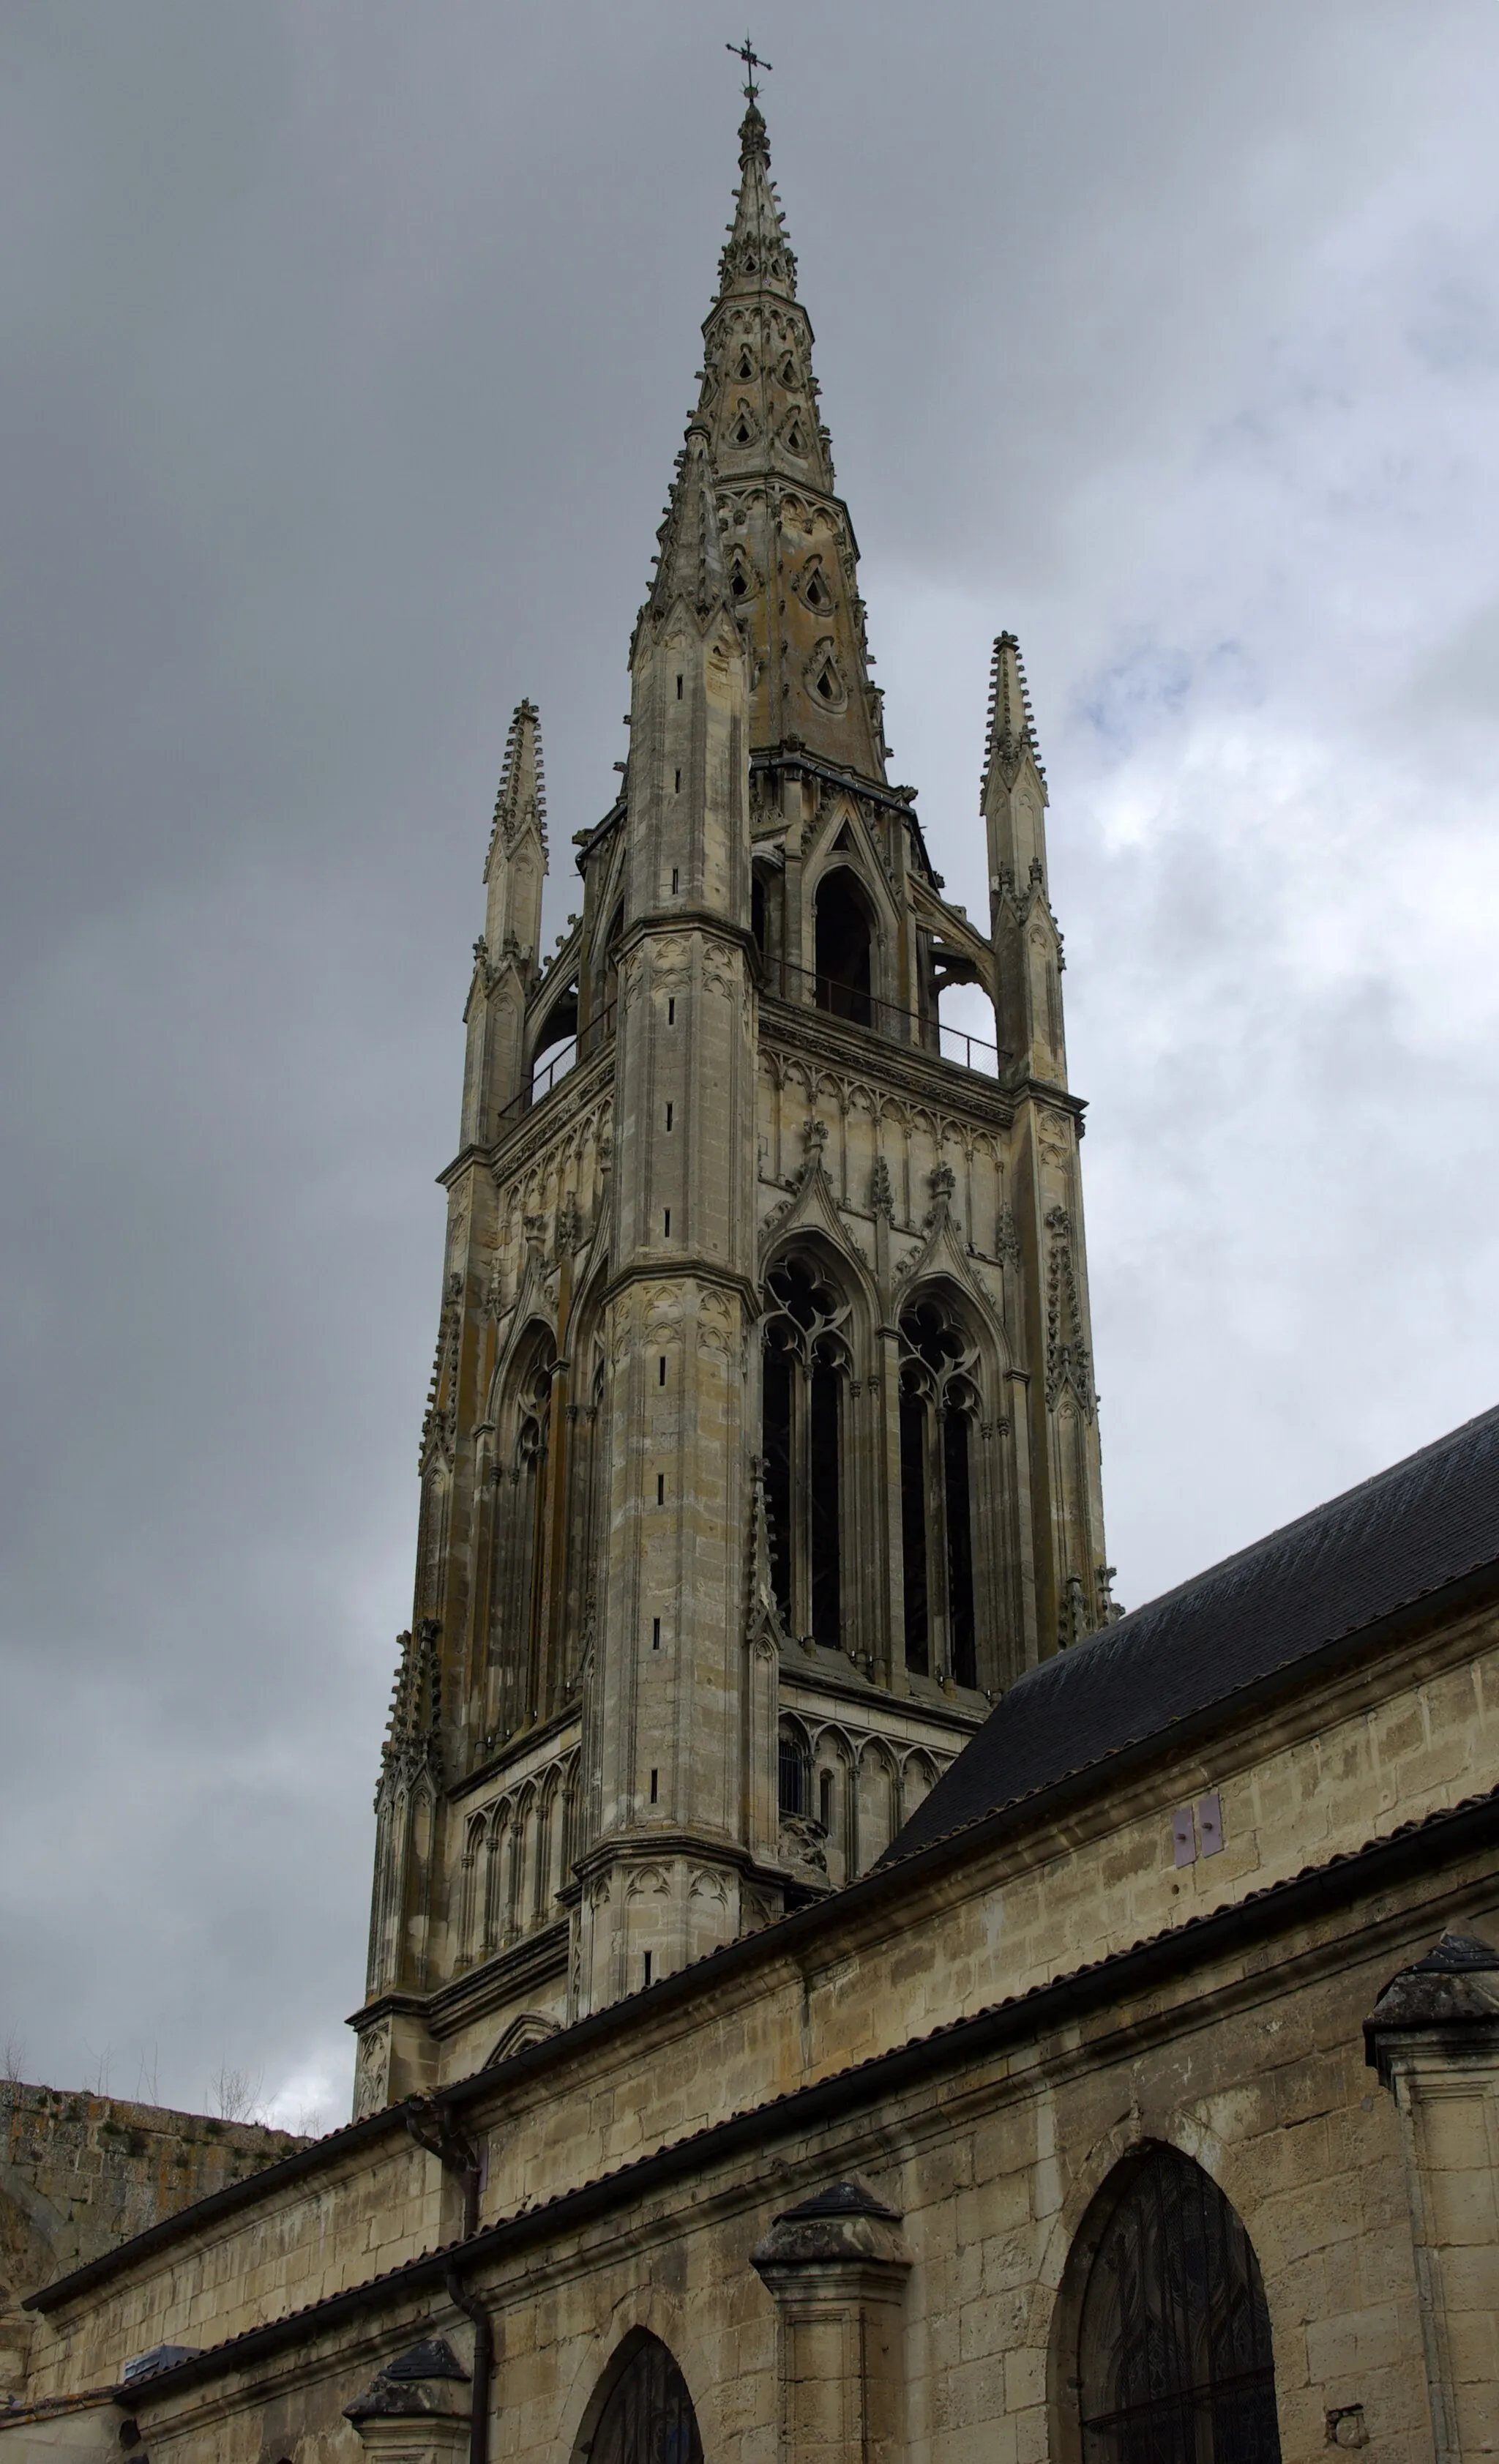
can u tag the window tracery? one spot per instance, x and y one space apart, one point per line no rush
805 1371
939 1409
647 2417
1175 2364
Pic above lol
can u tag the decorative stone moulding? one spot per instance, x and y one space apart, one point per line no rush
836 2267
416 2409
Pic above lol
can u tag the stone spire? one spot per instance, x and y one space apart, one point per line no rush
690 566
1012 727
520 804
506 952
788 547
756 257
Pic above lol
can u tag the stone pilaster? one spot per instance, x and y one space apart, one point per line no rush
836 2267
416 2411
1434 2039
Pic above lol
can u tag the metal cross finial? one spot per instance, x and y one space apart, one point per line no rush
752 60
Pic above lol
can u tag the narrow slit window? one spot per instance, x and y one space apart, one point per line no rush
655 1634
655 1787
679 689
678 783
661 1371
668 1116
666 1223
660 1488
670 1013
676 878
647 1968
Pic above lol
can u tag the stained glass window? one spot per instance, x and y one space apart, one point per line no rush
1174 2357
648 2417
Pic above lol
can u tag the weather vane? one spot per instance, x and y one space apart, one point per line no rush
752 60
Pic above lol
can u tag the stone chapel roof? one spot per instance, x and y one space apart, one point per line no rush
1253 1622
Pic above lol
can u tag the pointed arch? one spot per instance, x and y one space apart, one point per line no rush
553 1039
641 2412
1161 2336
794 1764
471 1889
877 1803
845 941
528 2027
520 1413
939 1403
807 1358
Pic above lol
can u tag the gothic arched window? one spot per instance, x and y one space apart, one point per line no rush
520 1555
1174 2362
844 945
793 1768
938 1404
805 1367
647 2415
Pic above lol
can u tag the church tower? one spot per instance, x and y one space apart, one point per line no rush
761 1452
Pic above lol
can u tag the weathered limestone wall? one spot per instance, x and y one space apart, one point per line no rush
1391 1744
79 2174
1252 2064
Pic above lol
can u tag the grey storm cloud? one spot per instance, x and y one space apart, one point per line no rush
347 349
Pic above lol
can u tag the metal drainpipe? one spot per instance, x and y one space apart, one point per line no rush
432 2129
483 2365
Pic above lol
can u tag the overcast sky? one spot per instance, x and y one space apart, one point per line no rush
347 348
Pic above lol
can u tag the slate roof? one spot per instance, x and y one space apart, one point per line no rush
1382 1546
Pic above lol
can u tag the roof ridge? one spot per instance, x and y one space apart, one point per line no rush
1268 1540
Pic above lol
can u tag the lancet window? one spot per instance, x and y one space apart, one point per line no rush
647 2417
1174 2362
939 1409
806 1374
520 1556
844 947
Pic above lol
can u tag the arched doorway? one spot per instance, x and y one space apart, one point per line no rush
647 2415
1174 2361
844 938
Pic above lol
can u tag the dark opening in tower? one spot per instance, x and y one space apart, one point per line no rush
937 1401
806 1362
844 938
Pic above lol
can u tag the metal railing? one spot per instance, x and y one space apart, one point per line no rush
858 1007
558 1061
809 990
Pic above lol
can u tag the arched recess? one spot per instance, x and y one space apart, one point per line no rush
1162 2350
641 2412
793 1768
523 1448
768 919
876 1805
605 1000
845 941
530 2027
588 1478
939 1417
554 1041
806 1370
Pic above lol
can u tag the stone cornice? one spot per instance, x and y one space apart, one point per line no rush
520 1964
1276 1910
857 1052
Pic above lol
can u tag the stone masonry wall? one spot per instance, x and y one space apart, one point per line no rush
1314 1780
80 2173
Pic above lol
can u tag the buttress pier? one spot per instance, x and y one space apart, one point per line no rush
761 1450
